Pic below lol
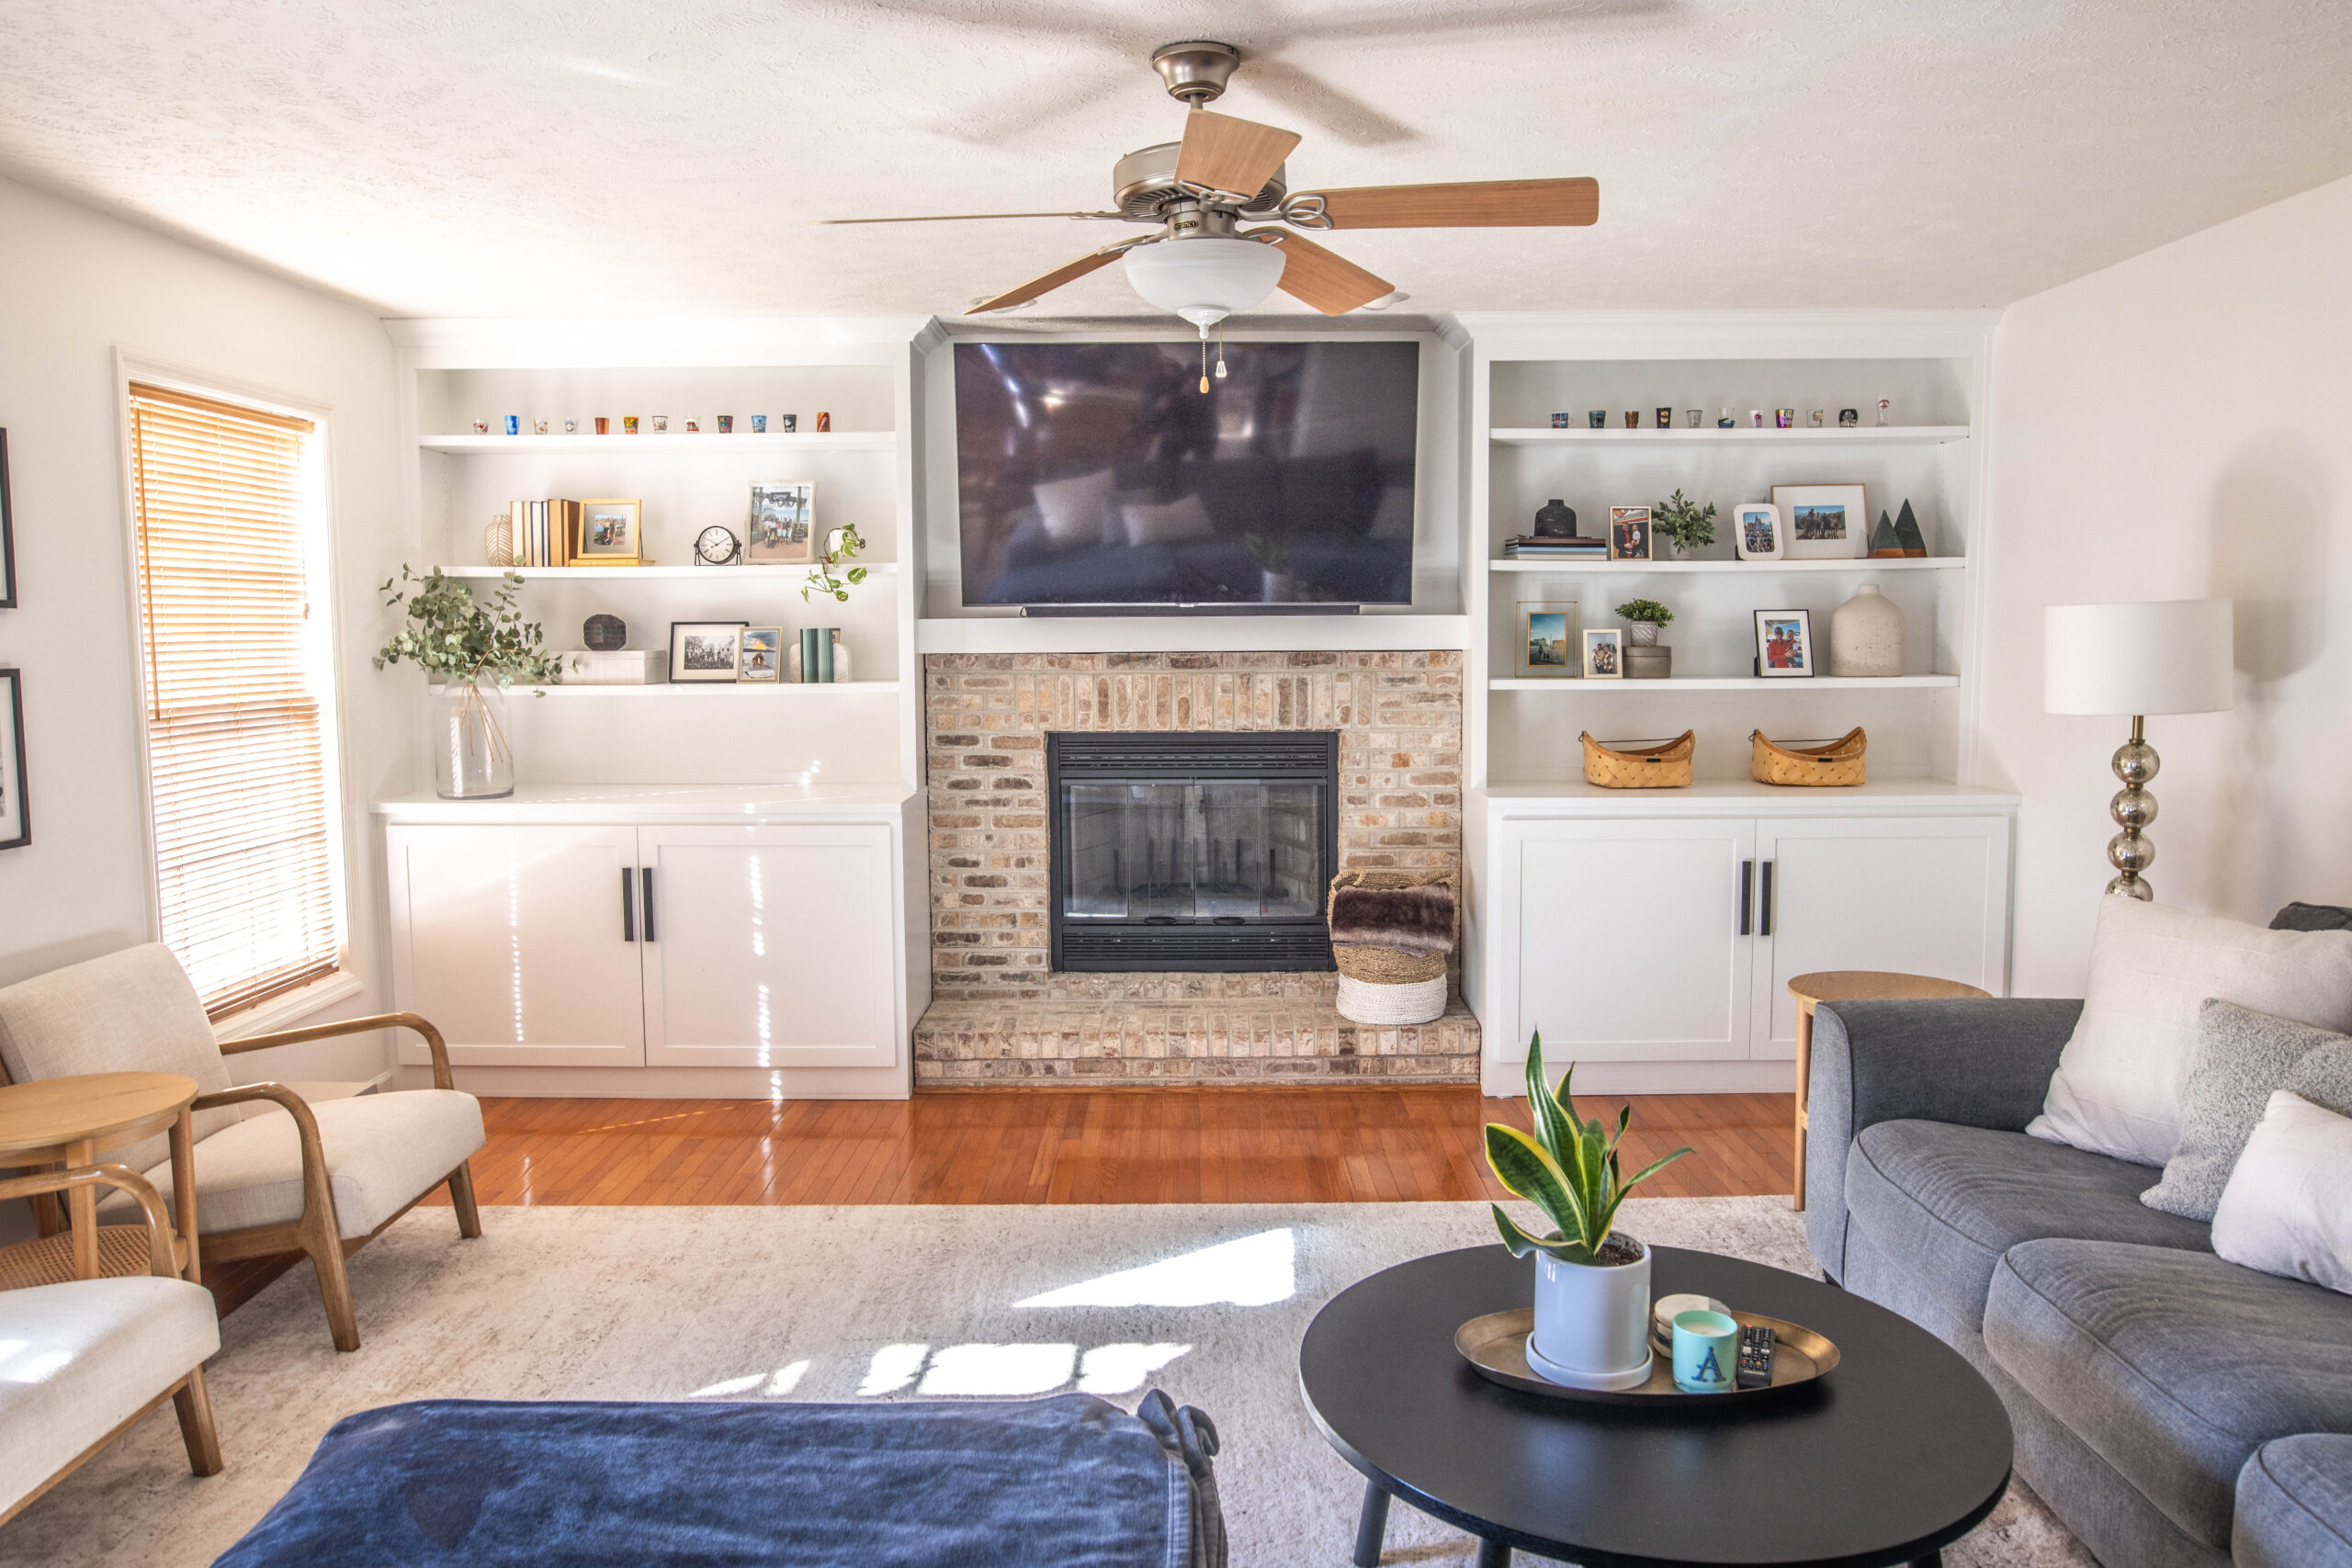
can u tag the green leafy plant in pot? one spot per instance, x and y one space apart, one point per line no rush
1648 617
1593 1284
474 651
1688 526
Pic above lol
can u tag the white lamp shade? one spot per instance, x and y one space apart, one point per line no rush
2170 656
1205 280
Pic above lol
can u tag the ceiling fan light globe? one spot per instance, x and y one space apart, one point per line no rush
1205 280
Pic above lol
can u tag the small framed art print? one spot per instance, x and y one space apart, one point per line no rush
1785 644
781 531
1604 654
1755 529
15 816
1824 522
759 653
1547 640
7 534
705 650
1629 533
612 533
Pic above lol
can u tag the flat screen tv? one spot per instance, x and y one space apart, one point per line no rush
1100 473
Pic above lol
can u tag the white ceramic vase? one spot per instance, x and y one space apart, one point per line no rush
1592 1325
1866 634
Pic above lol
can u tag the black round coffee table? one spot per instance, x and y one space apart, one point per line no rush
1900 1450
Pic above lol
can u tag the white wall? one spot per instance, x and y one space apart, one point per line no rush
74 286
2180 427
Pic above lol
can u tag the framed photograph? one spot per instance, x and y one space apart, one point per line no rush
7 533
612 533
782 530
705 650
1629 533
1547 640
1785 644
1823 521
1755 529
759 653
15 816
1604 654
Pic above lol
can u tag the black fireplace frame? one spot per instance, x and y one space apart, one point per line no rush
1288 756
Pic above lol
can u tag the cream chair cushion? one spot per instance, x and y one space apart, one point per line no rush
79 1359
131 1012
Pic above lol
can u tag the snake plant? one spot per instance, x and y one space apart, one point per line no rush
1568 1170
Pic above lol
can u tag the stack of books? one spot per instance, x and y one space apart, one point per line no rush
1529 547
544 532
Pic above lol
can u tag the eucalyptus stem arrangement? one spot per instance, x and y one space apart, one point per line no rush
847 543
1568 1170
462 643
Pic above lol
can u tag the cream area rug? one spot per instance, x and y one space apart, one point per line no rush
851 1303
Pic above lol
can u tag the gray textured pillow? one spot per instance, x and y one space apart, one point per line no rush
2323 1077
2241 1056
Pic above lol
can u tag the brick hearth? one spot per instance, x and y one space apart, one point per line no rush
1000 1015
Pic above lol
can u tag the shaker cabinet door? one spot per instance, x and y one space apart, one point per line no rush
770 947
515 942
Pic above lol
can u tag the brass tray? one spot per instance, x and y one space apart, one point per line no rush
1496 1346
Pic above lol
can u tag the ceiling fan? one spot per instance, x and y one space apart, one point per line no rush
1197 193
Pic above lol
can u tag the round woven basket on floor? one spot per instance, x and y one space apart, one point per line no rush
1370 1001
1380 985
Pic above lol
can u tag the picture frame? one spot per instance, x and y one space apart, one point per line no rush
759 654
705 651
1784 645
15 813
1629 533
1823 521
1548 649
1755 528
8 532
1604 653
782 527
612 533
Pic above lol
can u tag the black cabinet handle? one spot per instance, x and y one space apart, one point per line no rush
1746 895
647 874
629 905
1765 923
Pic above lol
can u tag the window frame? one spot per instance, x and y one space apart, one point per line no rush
322 557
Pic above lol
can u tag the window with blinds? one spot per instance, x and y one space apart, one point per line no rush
239 747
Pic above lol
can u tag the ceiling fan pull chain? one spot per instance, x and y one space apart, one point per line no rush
1204 360
1220 351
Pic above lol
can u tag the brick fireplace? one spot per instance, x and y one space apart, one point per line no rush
1001 1014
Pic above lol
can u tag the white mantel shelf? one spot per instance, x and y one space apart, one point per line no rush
1714 798
1638 568
810 689
671 444
750 805
1188 634
711 573
1831 435
1725 683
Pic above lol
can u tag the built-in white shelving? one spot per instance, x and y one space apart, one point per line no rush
669 444
1832 435
1731 568
1725 683
764 572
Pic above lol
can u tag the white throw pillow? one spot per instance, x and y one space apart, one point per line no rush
1170 525
2287 1209
1076 512
2118 1088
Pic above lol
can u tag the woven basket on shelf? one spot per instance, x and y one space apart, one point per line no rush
1666 766
1381 984
1836 765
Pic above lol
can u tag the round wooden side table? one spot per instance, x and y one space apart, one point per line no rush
68 1120
1852 985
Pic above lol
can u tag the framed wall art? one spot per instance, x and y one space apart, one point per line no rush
1755 529
1547 640
1785 644
612 533
1824 522
783 524
705 650
1604 654
7 533
15 816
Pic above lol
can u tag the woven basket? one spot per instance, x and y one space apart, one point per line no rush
1651 767
1835 766
1367 1001
1386 965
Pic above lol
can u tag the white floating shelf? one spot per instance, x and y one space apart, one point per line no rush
1730 683
673 444
709 688
714 573
1637 567
1861 436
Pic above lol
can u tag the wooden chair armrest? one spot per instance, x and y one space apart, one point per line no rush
433 1040
160 1260
315 1192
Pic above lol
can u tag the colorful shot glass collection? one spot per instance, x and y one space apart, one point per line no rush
787 424
1694 419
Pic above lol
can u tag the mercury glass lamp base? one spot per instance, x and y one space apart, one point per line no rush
2133 808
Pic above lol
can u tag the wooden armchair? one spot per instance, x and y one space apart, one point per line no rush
322 1179
107 1352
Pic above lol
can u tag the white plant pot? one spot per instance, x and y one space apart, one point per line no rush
1592 1325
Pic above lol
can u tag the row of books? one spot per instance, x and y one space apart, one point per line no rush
546 533
1531 546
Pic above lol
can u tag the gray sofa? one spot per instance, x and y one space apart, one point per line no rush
2171 1407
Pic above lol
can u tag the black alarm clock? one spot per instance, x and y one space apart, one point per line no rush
718 546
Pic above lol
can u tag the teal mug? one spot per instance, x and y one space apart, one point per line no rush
1706 1352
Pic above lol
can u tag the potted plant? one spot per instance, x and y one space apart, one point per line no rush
1592 1285
841 545
1272 553
474 652
1648 617
1688 527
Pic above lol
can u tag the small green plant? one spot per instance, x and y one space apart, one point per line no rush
1683 521
1271 551
1649 610
459 640
845 545
1568 1170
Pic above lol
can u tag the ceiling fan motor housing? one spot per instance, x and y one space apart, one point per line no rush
1142 183
1195 69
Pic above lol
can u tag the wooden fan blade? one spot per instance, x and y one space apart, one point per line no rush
1228 154
968 216
1039 287
1472 204
1326 279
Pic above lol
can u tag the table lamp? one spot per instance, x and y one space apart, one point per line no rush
2171 656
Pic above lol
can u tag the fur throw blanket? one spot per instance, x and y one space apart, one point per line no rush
1409 920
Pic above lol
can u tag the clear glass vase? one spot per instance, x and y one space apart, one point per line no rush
472 759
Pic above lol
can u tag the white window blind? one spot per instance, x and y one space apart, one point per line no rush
237 744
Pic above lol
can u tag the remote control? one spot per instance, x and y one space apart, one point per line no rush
1754 1356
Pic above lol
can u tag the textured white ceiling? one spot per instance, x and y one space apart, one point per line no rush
472 157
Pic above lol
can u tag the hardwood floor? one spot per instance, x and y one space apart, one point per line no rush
1175 1145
